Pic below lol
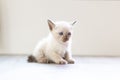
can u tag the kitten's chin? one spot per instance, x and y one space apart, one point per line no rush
65 41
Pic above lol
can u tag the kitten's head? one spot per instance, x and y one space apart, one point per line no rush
61 31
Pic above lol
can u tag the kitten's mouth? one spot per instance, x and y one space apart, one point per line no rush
65 39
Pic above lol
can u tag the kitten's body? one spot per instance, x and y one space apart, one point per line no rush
55 48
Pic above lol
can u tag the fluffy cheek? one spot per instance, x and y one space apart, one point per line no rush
60 38
57 37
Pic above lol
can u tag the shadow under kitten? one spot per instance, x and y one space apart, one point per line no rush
31 58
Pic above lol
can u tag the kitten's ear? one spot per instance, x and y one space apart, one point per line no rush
51 24
73 23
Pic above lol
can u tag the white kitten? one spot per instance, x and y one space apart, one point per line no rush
56 47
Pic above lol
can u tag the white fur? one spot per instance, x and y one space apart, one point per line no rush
49 47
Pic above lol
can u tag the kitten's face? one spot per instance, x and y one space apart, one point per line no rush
61 31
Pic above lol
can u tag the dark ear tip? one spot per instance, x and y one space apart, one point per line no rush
74 22
49 20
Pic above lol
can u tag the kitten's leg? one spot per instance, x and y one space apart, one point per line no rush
57 58
41 58
69 58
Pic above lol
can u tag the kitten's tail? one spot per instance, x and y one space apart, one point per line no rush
31 58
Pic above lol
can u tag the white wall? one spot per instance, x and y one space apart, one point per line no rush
24 22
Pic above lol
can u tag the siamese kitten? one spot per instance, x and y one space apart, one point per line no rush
56 47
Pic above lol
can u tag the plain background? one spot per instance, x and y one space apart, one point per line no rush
24 22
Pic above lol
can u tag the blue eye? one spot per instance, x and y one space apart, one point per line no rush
61 33
69 33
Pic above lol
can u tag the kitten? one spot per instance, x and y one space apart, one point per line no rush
56 47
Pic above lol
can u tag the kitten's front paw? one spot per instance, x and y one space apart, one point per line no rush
62 62
71 61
